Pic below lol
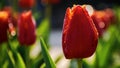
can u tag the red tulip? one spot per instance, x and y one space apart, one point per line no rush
8 9
13 15
80 37
110 13
99 23
26 3
102 19
4 16
51 1
12 22
26 29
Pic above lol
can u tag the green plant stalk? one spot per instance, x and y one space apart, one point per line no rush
27 57
3 48
79 63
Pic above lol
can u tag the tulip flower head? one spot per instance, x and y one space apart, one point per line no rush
12 15
26 29
110 14
26 3
99 23
8 9
50 1
102 19
79 37
4 16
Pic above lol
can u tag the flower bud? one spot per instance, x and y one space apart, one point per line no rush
99 23
79 37
26 29
51 1
102 19
12 15
26 3
4 16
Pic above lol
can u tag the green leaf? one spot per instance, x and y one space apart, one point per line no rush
10 54
3 54
19 62
13 44
38 61
105 49
44 29
6 63
16 59
46 56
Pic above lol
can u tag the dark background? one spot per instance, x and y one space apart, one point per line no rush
58 10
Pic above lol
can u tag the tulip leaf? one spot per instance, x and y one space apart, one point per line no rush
10 54
38 61
19 61
16 59
43 29
106 48
13 44
3 54
46 56
6 63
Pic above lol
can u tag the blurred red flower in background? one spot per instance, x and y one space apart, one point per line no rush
4 16
80 37
12 22
26 3
102 19
110 13
13 15
26 28
50 1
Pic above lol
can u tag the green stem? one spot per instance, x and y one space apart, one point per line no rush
27 58
79 63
